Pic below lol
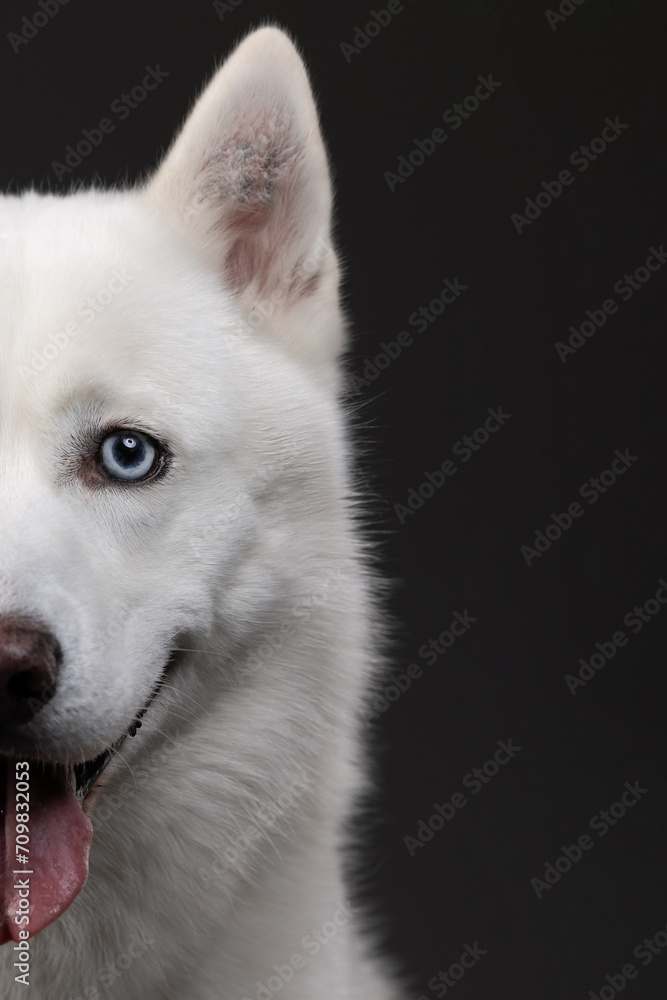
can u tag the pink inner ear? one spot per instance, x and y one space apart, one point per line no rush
251 243
253 182
251 201
261 253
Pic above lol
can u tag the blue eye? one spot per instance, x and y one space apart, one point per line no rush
128 455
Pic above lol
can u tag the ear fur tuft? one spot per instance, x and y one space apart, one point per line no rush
247 183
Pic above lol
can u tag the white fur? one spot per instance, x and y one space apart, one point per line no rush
222 341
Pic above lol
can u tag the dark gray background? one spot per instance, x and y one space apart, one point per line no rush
493 347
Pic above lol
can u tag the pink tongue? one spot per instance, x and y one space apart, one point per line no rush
57 858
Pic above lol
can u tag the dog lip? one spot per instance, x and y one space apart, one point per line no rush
88 774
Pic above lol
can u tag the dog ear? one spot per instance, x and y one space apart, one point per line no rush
247 182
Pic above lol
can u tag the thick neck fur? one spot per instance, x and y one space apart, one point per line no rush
217 847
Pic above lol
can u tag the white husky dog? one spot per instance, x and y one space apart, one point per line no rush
178 550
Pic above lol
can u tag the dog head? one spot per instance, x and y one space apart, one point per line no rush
168 382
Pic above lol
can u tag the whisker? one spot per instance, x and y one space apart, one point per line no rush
119 756
185 718
172 687
185 649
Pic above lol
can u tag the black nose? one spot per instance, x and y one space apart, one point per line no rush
29 662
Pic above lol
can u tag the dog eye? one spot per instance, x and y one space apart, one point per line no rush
128 456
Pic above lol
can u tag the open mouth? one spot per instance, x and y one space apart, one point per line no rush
45 834
87 774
